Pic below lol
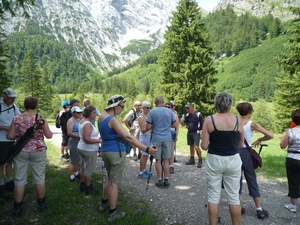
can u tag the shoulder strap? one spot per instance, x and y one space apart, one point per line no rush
236 124
213 122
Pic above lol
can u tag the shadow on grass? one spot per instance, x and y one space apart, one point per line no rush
65 203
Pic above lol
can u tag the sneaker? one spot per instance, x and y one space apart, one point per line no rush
290 207
166 184
89 190
159 184
82 187
42 204
10 186
191 161
143 176
77 176
171 169
148 173
3 192
103 207
17 208
115 215
63 159
135 158
199 164
67 156
261 214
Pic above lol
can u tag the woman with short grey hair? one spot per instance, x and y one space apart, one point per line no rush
222 136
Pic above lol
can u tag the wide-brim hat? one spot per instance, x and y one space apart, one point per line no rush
114 101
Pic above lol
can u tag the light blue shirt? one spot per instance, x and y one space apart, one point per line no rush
161 119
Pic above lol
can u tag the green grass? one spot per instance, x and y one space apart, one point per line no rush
66 204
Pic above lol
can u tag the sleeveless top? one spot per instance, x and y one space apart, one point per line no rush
109 135
94 135
248 133
36 143
224 143
75 129
294 143
145 118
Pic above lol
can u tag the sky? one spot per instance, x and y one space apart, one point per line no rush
208 5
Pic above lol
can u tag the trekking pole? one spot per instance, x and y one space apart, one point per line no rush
103 176
261 146
151 161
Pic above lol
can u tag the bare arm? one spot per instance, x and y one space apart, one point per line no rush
47 132
284 142
117 126
177 128
142 124
4 127
267 134
11 131
241 137
87 131
205 134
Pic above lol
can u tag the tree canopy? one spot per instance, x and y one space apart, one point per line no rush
187 70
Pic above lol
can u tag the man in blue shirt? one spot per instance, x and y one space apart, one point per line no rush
160 121
7 112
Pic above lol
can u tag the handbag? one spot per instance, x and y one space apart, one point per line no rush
126 143
256 159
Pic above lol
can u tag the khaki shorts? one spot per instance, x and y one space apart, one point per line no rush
88 161
37 161
115 166
164 149
226 169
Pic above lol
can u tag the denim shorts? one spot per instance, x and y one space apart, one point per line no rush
146 140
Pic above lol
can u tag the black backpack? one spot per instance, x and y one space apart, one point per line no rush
57 120
65 116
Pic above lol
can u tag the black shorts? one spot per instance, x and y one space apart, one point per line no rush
65 139
5 149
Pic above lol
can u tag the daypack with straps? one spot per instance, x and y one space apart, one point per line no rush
130 122
13 107
198 116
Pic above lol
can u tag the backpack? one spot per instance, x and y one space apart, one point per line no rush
57 120
13 107
199 118
65 116
130 122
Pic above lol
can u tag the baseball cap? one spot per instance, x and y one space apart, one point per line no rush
9 93
189 105
76 109
73 101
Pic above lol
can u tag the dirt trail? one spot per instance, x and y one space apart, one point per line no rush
184 201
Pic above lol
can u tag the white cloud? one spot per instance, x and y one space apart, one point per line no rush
208 5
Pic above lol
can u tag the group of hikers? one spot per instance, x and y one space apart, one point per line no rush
151 131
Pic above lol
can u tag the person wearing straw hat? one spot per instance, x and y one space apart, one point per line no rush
113 155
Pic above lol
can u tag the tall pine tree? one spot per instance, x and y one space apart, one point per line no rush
287 93
186 61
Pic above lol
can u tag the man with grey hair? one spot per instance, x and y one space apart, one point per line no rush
160 121
8 110
194 121
131 122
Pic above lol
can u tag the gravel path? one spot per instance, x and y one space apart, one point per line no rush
184 201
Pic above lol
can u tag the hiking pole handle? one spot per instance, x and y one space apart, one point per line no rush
261 146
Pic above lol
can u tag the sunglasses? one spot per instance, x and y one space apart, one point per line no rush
122 106
169 107
78 112
147 107
138 105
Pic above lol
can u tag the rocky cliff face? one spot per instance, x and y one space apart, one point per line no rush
278 8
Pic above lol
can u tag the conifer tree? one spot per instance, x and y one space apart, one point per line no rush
5 81
186 62
287 93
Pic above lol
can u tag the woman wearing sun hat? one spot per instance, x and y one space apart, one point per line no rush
111 128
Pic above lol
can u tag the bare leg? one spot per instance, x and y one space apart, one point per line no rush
143 163
87 180
40 190
294 201
213 210
166 167
235 212
8 169
198 151
192 150
19 193
158 168
113 195
257 202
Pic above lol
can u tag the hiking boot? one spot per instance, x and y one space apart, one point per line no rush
199 164
3 192
103 207
42 204
82 187
171 169
159 184
10 186
143 175
191 161
89 190
17 208
115 215
290 207
261 214
135 158
166 184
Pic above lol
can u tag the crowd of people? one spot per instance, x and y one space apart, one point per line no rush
223 135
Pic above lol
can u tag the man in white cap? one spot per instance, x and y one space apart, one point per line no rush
7 112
